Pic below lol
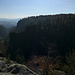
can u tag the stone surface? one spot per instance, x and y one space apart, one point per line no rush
14 68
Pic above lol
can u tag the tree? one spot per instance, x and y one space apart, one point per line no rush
69 66
2 48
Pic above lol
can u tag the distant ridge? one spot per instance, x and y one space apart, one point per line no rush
8 22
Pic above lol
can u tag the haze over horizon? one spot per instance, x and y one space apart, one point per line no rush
25 8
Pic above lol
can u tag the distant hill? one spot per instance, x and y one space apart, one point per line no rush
3 32
8 22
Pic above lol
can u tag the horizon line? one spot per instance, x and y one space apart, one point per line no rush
33 15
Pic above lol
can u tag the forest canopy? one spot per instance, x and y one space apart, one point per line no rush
43 35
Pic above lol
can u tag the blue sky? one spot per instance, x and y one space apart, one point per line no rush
25 8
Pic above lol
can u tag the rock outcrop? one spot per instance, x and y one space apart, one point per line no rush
14 68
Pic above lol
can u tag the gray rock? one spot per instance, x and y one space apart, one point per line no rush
20 70
14 68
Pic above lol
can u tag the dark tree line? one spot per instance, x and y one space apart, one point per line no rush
36 35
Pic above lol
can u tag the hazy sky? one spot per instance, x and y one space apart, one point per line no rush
24 8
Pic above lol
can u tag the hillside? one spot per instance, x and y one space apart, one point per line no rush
57 31
43 19
48 38
3 32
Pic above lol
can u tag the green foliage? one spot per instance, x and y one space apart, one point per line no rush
20 59
8 61
2 48
69 67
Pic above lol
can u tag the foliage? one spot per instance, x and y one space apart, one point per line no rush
43 63
43 35
20 59
8 61
69 66
3 32
2 48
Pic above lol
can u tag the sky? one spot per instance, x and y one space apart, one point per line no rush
26 8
